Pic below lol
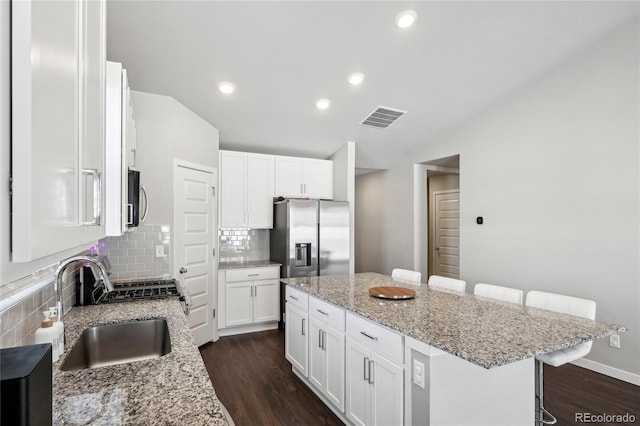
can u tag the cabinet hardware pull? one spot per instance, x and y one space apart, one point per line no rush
322 312
293 297
129 214
254 275
365 364
371 371
369 336
301 189
143 191
97 196
324 340
320 339
303 327
183 270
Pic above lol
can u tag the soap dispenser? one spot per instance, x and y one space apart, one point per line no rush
48 334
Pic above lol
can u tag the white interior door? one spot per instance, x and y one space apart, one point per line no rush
446 261
194 225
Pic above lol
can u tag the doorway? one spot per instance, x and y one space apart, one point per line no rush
195 224
442 218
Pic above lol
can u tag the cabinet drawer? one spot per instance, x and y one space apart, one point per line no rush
252 274
376 337
327 312
298 299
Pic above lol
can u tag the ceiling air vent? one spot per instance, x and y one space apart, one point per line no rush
382 117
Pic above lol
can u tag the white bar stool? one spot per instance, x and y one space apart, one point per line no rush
406 275
567 305
498 292
445 283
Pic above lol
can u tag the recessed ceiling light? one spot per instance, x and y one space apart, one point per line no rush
356 78
406 19
323 103
226 87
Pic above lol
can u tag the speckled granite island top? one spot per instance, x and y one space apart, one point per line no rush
483 331
172 390
247 264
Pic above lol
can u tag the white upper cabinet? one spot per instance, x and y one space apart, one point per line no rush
304 177
58 72
120 148
246 190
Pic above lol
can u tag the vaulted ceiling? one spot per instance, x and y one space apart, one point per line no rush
282 56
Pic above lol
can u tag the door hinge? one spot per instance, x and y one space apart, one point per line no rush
214 252
214 312
213 189
10 186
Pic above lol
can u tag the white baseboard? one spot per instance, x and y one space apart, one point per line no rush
607 370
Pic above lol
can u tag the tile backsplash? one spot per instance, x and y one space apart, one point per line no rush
133 255
18 323
242 244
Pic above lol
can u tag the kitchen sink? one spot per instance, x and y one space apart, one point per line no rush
119 343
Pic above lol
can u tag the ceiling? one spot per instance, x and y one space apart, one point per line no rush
282 56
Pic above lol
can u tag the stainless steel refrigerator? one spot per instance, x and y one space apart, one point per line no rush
310 237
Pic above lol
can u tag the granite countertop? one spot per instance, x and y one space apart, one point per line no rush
248 264
483 331
172 390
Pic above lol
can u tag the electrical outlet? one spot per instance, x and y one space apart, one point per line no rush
160 251
418 373
614 341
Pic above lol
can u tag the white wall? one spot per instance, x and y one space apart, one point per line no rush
166 129
344 182
369 219
554 170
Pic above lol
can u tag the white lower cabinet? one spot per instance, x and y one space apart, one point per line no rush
248 296
354 365
374 383
296 345
296 331
326 350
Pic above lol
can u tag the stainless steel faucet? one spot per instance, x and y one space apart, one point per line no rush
104 277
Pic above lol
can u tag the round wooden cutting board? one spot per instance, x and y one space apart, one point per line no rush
392 292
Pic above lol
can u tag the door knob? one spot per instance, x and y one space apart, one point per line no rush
183 270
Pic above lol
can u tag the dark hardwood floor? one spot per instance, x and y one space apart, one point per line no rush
254 381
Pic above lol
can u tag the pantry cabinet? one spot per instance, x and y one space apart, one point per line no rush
246 190
303 178
57 113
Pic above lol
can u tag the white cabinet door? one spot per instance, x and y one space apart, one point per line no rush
317 178
295 332
334 358
93 118
266 300
387 400
239 308
259 191
233 175
358 388
317 359
288 180
54 91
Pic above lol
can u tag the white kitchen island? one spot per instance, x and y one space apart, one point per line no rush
442 358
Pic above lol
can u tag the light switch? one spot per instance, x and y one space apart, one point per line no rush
418 373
